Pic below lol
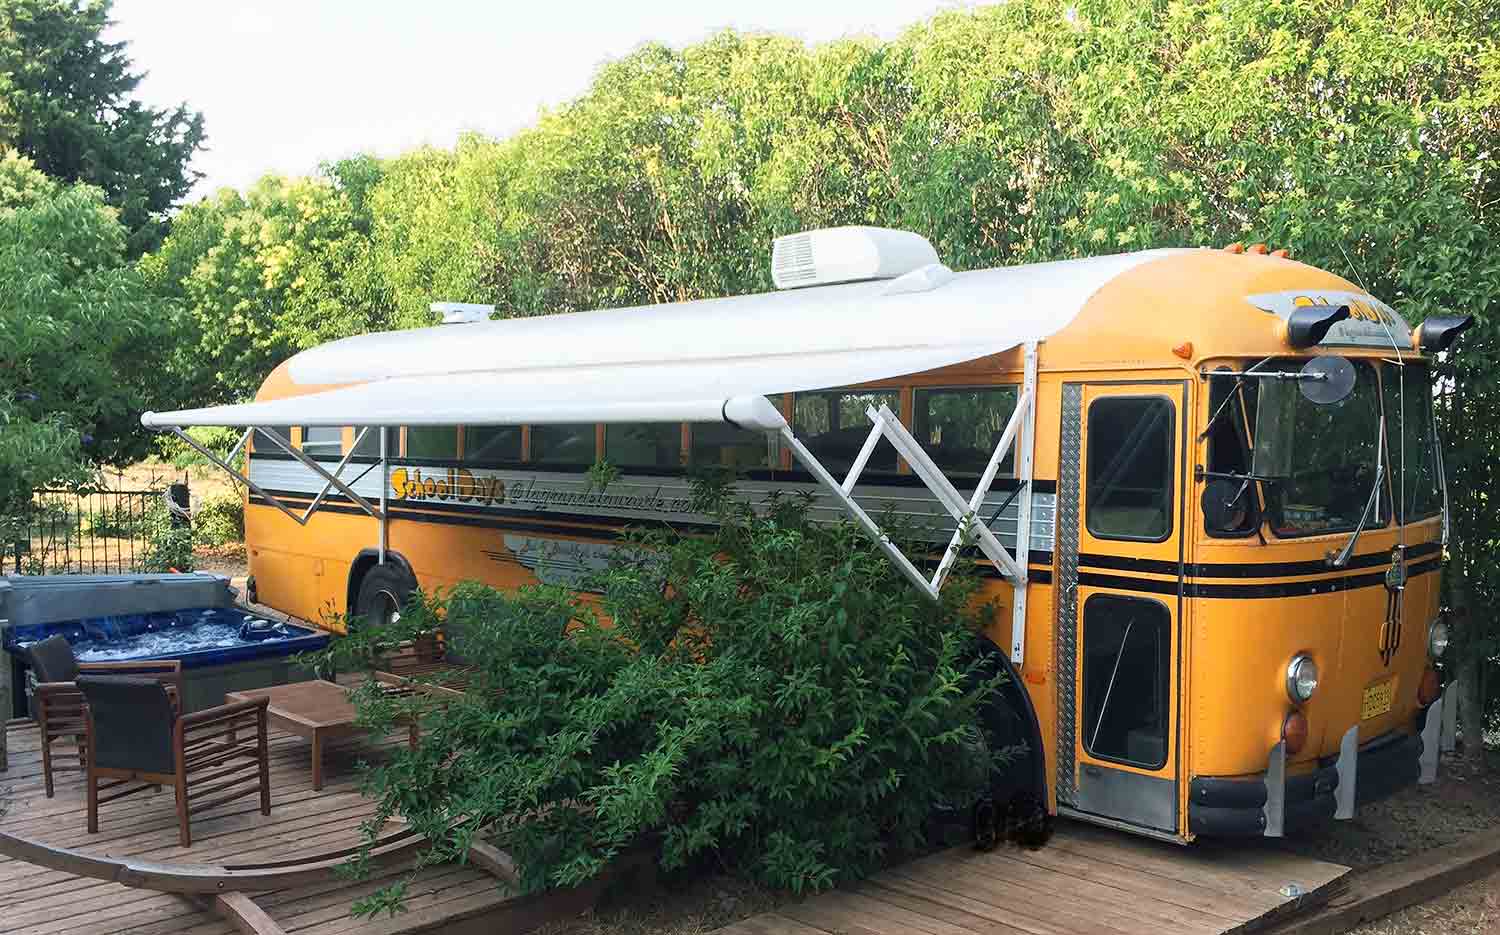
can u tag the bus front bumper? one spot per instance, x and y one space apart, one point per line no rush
1274 803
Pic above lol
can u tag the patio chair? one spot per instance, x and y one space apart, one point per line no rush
136 735
428 665
58 704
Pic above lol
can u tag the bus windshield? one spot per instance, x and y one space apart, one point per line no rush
1321 459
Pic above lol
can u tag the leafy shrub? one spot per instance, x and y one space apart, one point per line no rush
183 456
219 519
167 547
771 695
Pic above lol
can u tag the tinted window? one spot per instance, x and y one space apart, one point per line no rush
563 444
718 444
432 441
1126 665
369 446
261 443
492 443
1408 393
1322 456
646 444
834 426
960 428
1129 468
323 440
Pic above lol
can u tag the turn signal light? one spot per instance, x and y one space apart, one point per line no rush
1294 732
1429 688
1184 350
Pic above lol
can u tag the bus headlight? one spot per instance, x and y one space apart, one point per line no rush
1437 638
1301 678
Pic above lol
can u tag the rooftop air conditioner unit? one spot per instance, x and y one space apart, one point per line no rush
847 254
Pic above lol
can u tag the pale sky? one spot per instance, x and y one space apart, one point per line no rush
286 85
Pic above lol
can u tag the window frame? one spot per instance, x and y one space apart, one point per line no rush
1172 467
916 393
314 449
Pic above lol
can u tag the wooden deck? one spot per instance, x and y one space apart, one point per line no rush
47 902
1086 880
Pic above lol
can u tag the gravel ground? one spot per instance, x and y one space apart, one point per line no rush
1468 910
1413 820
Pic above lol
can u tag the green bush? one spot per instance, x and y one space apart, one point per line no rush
167 547
219 520
772 696
182 456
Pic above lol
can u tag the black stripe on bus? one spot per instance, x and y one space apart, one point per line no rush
1249 569
1243 591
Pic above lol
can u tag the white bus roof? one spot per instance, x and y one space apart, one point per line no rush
699 361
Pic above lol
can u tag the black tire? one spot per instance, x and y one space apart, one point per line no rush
383 591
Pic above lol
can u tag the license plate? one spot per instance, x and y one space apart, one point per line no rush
1377 700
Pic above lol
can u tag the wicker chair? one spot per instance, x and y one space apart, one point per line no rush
59 705
135 735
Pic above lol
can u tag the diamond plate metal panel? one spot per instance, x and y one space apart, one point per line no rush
1065 582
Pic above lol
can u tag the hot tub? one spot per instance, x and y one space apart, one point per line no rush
191 618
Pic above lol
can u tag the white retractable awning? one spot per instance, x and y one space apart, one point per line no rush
678 362
705 361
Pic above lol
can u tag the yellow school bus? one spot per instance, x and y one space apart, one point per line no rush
1204 484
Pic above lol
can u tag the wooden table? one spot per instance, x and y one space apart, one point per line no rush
317 711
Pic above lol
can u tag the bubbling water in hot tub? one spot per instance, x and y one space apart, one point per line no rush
165 635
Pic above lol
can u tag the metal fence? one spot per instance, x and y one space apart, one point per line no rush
95 532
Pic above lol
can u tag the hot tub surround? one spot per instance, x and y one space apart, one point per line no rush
190 618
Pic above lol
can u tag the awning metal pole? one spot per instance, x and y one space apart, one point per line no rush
238 445
336 471
385 485
236 475
317 468
982 489
810 461
858 467
1025 465
923 466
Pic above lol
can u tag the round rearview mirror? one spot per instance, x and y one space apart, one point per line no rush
1225 507
1327 380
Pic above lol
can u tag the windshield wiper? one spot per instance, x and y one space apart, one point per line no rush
1342 558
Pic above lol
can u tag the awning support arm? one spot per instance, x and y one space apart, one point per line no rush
317 469
1025 467
336 472
236 475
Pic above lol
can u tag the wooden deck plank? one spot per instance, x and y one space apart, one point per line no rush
1086 881
41 901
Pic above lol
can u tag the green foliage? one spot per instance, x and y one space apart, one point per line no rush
81 338
181 455
265 274
168 547
219 520
65 104
770 696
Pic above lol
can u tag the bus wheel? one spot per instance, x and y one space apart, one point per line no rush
382 592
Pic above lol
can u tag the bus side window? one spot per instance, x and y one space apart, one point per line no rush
959 428
718 444
323 440
436 442
259 442
1129 493
483 443
369 446
1126 666
563 444
833 426
643 444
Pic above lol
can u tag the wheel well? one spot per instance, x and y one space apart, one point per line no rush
363 562
1013 698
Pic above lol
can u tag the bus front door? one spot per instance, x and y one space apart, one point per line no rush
1118 566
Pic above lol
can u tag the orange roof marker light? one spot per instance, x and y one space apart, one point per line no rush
1235 248
1258 248
1284 253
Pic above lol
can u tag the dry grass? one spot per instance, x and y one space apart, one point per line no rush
1468 910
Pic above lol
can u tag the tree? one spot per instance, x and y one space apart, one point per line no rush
81 337
283 267
65 103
